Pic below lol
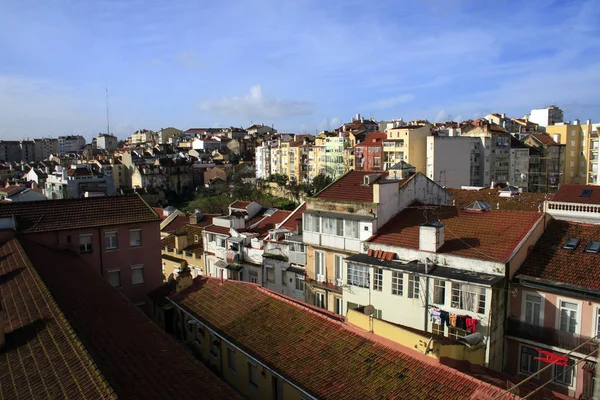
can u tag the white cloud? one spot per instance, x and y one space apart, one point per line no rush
256 104
390 102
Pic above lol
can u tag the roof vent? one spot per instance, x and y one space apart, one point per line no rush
371 178
586 193
571 243
593 247
479 206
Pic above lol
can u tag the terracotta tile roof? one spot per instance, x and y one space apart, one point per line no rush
159 211
491 235
89 212
193 246
12 190
217 229
373 139
549 261
270 222
544 139
128 348
78 172
291 222
350 187
571 193
43 357
335 362
524 201
241 204
177 223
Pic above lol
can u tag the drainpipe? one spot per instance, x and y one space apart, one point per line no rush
426 323
100 250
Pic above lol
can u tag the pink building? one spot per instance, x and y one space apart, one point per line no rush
555 309
117 236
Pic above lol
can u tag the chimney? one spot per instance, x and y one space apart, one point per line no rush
503 115
431 236
181 240
196 217
184 279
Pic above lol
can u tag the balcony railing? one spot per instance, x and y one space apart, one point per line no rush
296 257
549 336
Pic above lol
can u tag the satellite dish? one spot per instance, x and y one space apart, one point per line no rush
369 310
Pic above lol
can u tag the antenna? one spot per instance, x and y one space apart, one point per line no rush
107 117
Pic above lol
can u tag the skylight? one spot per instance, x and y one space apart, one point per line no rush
571 243
593 247
586 193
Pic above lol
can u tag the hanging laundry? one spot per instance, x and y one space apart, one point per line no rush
453 320
471 324
435 316
461 322
444 317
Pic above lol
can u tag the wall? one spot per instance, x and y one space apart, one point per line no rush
449 160
527 244
418 187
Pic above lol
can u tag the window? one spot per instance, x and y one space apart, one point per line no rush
320 266
468 297
413 286
221 242
351 229
135 237
253 277
439 291
320 299
210 237
270 275
437 329
397 283
338 306
111 241
564 375
593 247
358 275
231 359
300 283
283 280
378 279
214 345
114 277
137 274
252 375
533 309
311 223
456 333
528 364
568 316
85 243
338 269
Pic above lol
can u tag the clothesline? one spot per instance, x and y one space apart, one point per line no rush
464 322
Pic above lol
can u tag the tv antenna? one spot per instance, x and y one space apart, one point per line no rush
107 116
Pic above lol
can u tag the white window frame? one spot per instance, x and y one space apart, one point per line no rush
414 286
378 279
111 235
573 375
338 265
321 300
320 267
481 291
338 305
89 247
559 300
521 371
436 285
137 268
131 242
299 283
358 275
524 306
397 283
212 338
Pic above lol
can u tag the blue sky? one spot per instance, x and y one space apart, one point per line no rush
301 65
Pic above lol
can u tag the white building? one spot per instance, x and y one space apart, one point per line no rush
207 144
453 161
107 142
546 116
70 144
78 181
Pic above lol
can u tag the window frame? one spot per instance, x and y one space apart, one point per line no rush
559 301
357 274
320 266
531 361
572 367
299 282
436 287
137 267
252 380
89 247
378 279
476 302
398 283
231 355
112 271
321 300
109 234
524 295
414 286
338 269
131 243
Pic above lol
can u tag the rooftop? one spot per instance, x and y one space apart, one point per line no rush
240 204
353 365
351 187
291 222
524 201
544 139
270 222
549 261
194 246
571 193
88 212
491 235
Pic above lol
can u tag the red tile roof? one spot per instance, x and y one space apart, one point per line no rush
291 222
241 204
177 223
571 193
524 201
159 211
350 187
373 139
218 229
319 353
491 235
129 349
12 190
270 222
544 139
79 172
43 357
89 212
549 261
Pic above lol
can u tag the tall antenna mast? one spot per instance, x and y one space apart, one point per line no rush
107 117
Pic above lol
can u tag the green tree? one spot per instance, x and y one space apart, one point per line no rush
320 182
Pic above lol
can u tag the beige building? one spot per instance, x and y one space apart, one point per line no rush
581 152
407 143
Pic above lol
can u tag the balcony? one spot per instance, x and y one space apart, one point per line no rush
297 257
549 336
328 284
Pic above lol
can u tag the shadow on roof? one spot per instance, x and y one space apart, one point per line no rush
460 244
26 333
10 275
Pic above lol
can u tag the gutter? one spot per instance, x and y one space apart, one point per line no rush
302 391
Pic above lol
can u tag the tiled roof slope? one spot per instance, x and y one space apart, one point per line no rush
571 193
270 222
549 261
136 357
316 352
56 215
350 187
42 358
240 204
523 202
491 235
296 216
544 138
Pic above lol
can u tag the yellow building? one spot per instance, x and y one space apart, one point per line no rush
407 143
581 153
183 248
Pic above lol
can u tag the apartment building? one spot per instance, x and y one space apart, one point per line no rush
546 164
118 237
547 116
107 142
407 143
80 180
332 153
43 148
581 150
368 154
494 156
518 174
70 144
170 174
17 150
454 161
